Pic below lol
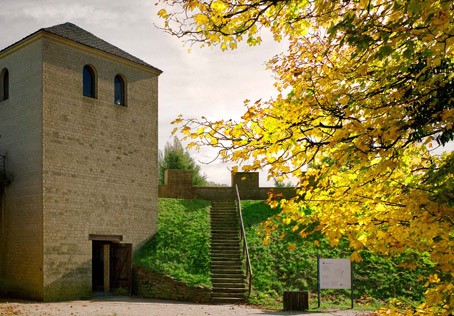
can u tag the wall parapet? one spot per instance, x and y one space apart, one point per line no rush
178 184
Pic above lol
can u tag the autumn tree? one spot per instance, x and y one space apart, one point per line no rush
365 92
176 157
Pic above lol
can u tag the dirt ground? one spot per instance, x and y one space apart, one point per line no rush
130 306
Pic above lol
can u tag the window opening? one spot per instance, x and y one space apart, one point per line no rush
4 84
89 82
120 91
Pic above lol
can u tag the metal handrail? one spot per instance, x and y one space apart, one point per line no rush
245 246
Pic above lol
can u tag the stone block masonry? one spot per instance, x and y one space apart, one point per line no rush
80 166
152 285
178 184
21 142
98 164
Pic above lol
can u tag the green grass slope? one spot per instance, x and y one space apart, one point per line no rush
277 267
181 246
181 249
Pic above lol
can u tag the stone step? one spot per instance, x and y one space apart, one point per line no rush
229 233
218 255
229 262
225 239
221 252
220 213
224 225
223 208
240 275
227 300
226 265
222 247
224 221
224 256
226 268
224 232
226 212
223 205
222 240
229 244
228 291
220 244
222 269
229 280
221 229
229 285
215 272
226 260
226 246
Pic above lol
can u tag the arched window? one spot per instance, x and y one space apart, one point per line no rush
4 84
89 82
120 90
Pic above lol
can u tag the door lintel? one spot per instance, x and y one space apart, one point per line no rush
112 238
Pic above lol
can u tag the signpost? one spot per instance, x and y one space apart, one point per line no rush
334 274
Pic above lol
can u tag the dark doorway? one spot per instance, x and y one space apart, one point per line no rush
98 266
111 267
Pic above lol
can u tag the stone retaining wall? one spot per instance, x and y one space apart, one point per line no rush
152 285
178 184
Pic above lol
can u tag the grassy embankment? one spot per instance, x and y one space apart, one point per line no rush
181 249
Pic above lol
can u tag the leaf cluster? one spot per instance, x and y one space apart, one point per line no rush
366 89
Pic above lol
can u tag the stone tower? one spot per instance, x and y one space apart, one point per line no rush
78 126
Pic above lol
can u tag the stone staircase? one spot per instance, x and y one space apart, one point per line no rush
226 266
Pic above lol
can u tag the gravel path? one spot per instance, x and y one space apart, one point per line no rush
130 306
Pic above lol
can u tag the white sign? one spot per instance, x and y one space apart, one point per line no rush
335 273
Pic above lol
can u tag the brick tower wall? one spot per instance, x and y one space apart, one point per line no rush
21 142
99 162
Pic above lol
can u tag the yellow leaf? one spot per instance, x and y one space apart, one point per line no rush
355 257
163 14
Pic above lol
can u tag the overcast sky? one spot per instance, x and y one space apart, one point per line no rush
204 82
